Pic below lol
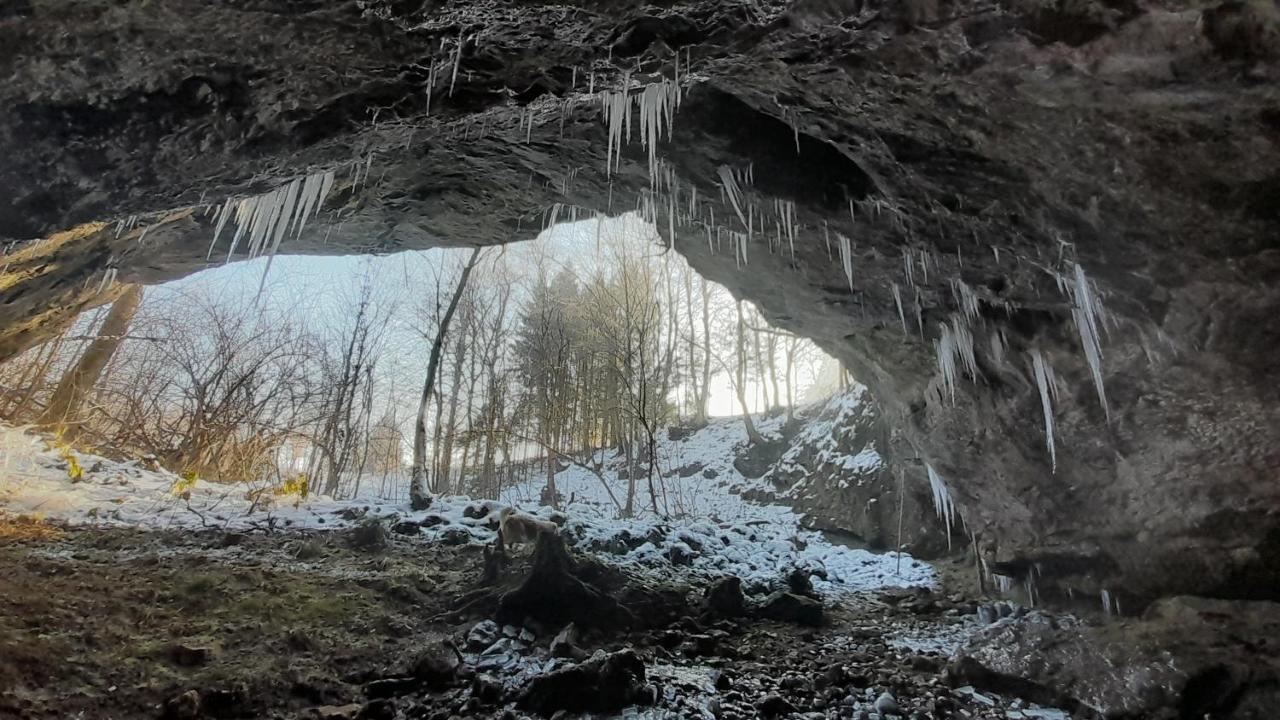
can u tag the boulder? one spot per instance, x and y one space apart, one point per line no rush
775 706
437 665
725 598
791 608
1188 656
605 683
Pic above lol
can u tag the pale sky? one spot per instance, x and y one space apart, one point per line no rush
320 291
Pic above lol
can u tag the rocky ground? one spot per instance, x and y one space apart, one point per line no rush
123 623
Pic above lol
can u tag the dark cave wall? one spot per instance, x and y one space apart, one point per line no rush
1005 145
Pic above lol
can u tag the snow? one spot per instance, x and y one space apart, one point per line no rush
827 423
705 528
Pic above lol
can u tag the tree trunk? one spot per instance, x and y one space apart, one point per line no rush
65 404
760 369
706 351
772 348
791 345
753 436
451 424
419 499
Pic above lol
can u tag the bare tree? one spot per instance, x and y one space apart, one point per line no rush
64 406
419 499
740 384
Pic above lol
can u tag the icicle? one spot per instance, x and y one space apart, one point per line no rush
265 219
945 348
919 314
998 346
223 216
734 193
457 60
431 84
846 258
1087 314
1047 384
966 299
897 299
964 346
671 221
942 502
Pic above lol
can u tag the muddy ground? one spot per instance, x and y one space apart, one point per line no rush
121 623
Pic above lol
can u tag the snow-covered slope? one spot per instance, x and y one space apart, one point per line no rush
704 528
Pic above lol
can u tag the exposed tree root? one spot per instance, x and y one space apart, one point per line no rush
554 592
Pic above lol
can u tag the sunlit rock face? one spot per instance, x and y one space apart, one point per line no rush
969 157
847 473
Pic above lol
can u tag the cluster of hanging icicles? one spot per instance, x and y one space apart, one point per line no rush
954 347
263 221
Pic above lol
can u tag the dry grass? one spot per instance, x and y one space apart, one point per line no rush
25 528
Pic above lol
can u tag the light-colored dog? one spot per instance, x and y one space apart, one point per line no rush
517 527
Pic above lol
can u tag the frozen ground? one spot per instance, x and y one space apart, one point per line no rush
704 527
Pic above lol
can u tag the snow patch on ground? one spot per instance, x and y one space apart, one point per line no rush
703 529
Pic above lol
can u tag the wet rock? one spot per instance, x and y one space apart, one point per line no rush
793 683
190 655
300 641
455 536
377 710
225 702
407 527
775 706
701 644
370 536
309 550
792 608
182 707
721 680
487 689
987 614
799 582
605 683
437 666
887 704
503 646
924 663
482 635
390 687
565 644
1188 655
477 511
680 554
689 470
725 598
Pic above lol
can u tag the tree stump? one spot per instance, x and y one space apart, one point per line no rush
553 593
